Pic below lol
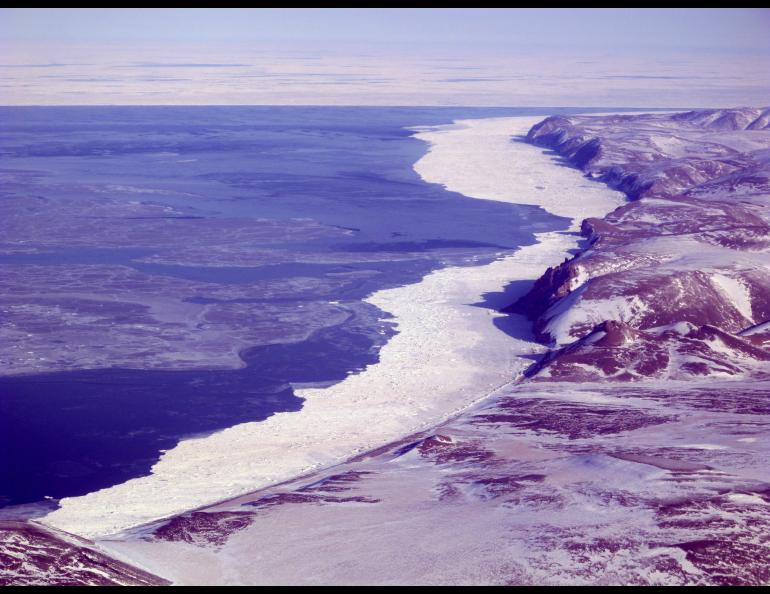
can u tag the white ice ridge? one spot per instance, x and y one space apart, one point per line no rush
447 354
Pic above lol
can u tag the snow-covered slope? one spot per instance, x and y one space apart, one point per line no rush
593 484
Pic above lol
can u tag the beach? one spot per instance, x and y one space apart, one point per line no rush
452 348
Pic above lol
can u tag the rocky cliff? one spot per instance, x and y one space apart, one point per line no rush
676 283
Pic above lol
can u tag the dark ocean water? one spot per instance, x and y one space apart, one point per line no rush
71 432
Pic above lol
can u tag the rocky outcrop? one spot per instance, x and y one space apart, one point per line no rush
689 251
33 555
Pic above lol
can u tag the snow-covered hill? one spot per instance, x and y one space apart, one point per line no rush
672 282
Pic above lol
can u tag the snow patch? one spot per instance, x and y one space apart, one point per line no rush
746 499
736 292
575 312
581 278
681 328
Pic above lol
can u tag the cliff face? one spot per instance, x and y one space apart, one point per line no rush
676 283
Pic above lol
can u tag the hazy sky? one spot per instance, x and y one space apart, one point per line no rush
602 57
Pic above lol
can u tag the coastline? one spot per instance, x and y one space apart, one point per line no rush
446 357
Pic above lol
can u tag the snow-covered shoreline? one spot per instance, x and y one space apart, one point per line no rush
446 356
